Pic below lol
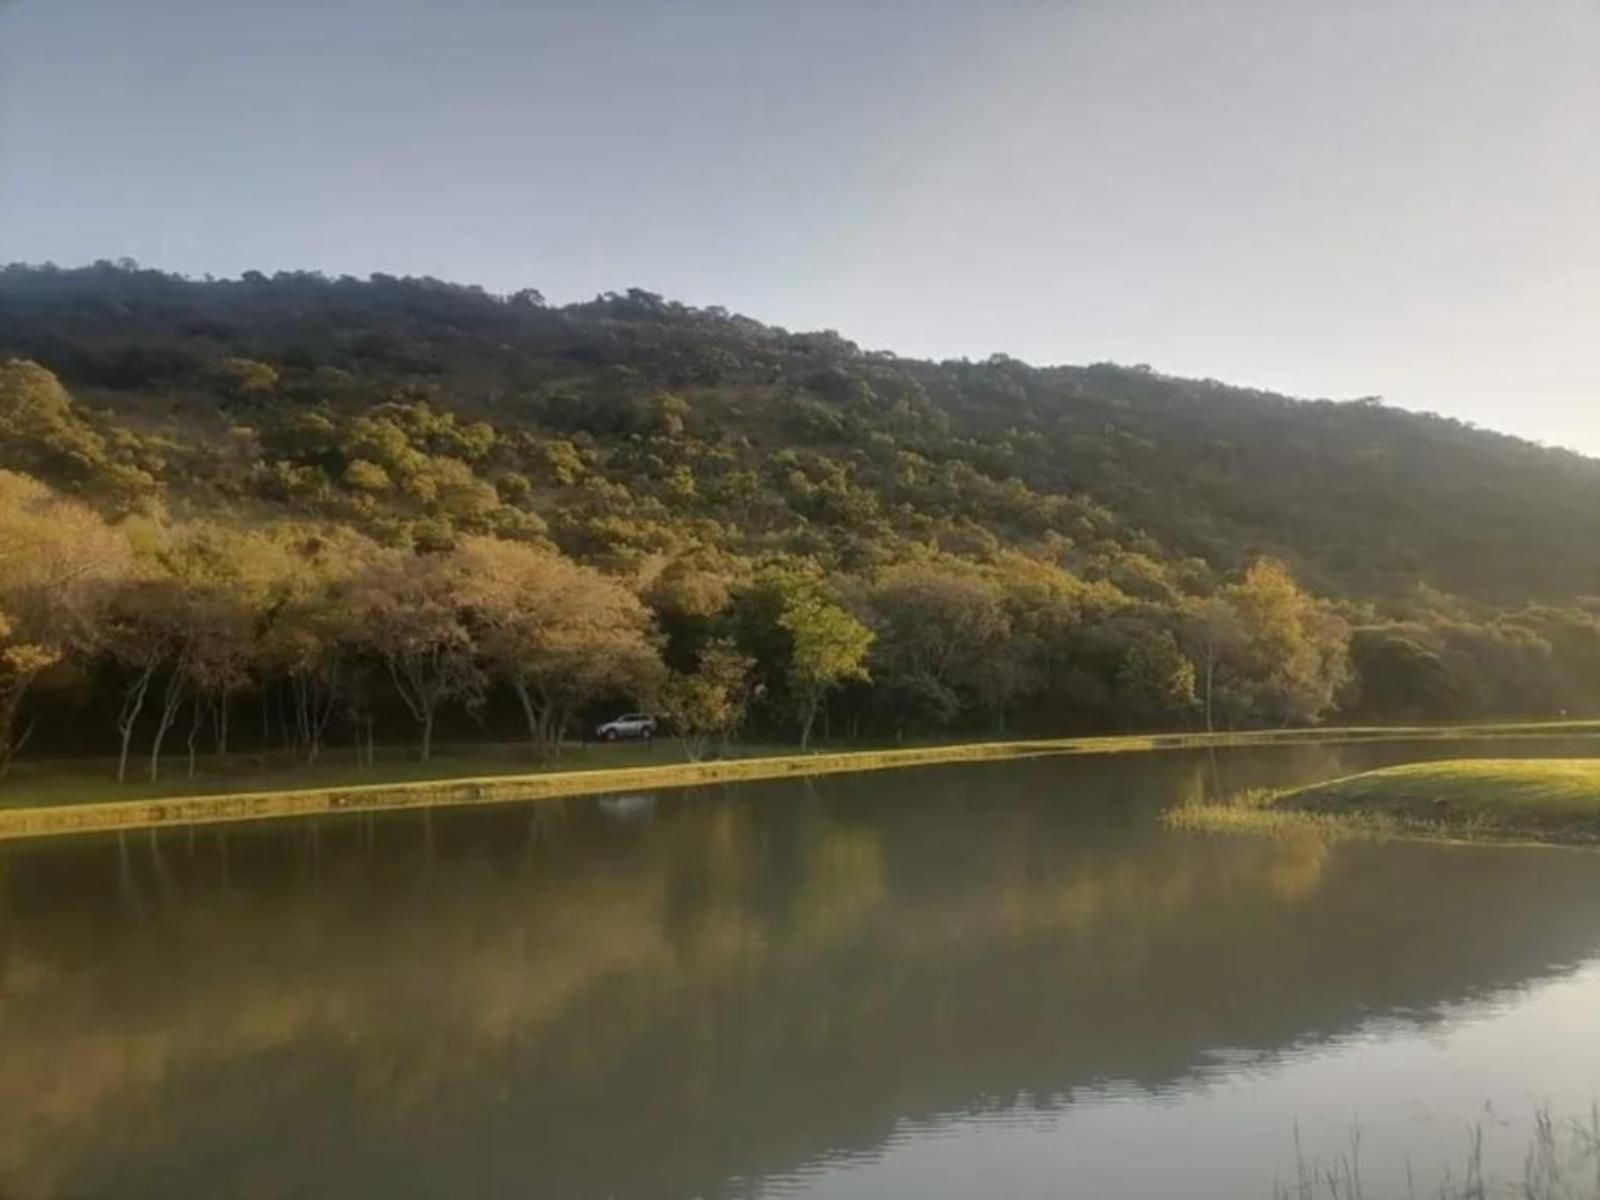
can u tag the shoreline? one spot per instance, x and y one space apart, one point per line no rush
32 822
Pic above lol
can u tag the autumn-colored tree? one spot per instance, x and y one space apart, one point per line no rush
689 596
148 626
557 633
1270 650
246 379
230 577
406 612
307 631
42 432
57 558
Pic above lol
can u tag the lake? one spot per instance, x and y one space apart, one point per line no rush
1001 980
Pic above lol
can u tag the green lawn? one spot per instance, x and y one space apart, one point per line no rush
83 781
1553 800
1535 797
44 783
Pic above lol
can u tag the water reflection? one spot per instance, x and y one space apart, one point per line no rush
689 993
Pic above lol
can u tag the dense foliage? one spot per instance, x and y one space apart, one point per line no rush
339 504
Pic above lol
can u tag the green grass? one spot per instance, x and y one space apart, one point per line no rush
1539 800
34 783
42 799
91 781
1549 796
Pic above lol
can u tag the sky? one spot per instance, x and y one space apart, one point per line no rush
1339 198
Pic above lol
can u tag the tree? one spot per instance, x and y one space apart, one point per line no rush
1277 654
307 632
57 558
827 646
147 626
405 611
41 432
245 378
941 634
559 634
1215 636
1155 681
690 599
1402 677
711 701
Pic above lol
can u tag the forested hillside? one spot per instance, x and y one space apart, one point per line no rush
768 527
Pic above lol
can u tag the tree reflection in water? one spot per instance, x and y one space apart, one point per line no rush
655 996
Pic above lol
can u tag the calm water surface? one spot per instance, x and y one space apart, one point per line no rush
996 981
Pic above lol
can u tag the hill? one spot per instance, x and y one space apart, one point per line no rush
984 543
1361 499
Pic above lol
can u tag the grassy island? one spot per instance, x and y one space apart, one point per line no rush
1540 800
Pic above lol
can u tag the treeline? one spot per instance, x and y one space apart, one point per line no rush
158 632
165 627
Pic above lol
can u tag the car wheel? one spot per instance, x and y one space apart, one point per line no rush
609 735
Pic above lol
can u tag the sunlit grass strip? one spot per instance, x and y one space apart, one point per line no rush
103 816
1521 800
1257 814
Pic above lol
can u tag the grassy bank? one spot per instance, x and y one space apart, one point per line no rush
1539 800
93 780
45 802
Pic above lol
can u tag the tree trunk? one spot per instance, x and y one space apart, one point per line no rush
10 704
122 758
128 715
1211 671
314 704
531 714
171 700
12 747
805 727
220 717
323 713
286 736
194 729
300 704
427 734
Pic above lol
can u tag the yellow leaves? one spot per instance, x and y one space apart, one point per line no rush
687 589
48 542
24 660
41 431
563 461
32 400
246 378
365 476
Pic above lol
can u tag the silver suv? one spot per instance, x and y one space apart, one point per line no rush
629 726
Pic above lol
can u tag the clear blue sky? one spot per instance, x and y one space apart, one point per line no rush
1327 197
